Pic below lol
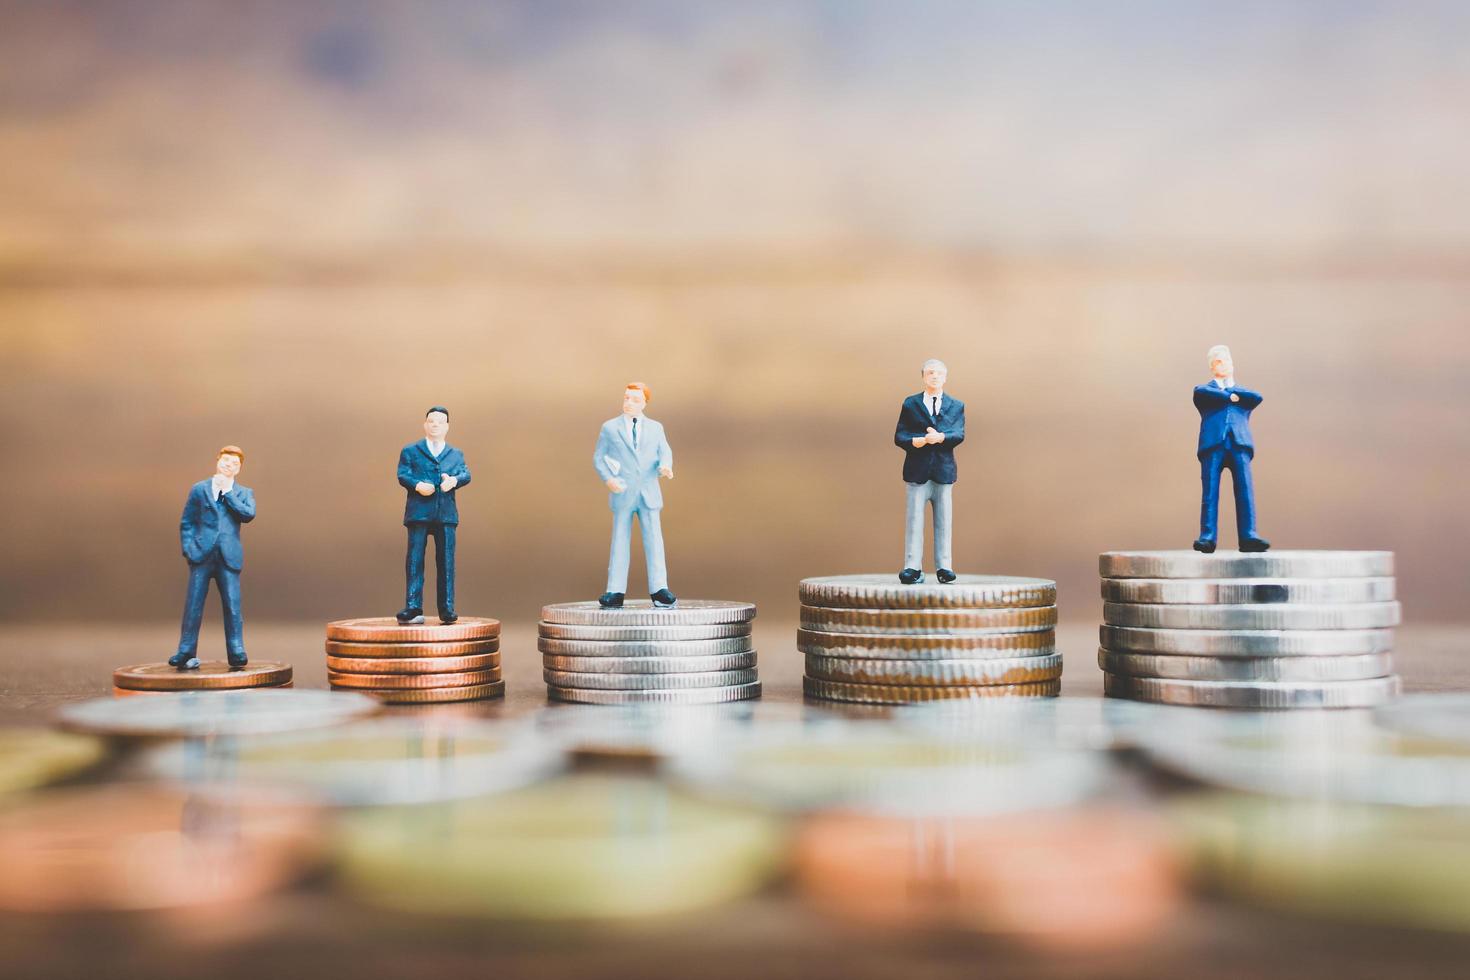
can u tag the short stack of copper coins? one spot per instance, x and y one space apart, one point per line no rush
212 675
873 640
421 664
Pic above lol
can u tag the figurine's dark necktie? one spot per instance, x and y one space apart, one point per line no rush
635 432
934 406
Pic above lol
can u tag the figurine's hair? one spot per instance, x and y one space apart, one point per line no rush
647 395
235 451
933 360
1215 352
438 408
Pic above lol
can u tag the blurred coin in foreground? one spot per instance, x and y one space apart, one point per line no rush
31 757
200 713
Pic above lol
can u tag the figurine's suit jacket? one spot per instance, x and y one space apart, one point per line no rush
934 462
417 465
202 526
639 471
1222 420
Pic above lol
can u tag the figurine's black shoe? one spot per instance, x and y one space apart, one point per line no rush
663 599
411 616
1206 545
237 659
447 616
911 576
610 600
1254 544
184 661
945 576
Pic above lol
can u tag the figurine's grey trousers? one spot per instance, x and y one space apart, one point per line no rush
937 496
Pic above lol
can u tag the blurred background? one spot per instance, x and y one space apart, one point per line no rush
294 226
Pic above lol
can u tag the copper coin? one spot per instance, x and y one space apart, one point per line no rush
212 675
400 682
412 665
385 629
444 648
131 847
436 695
123 692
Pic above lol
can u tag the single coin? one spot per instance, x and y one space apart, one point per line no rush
1188 668
440 695
650 665
649 682
963 622
1363 615
400 682
675 648
412 665
1241 591
31 757
403 651
900 694
123 692
200 713
641 612
212 675
386 629
921 673
1253 694
1247 643
984 646
696 695
1233 564
968 592
637 634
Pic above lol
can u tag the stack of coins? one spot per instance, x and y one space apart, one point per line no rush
699 652
416 664
212 675
1287 629
870 639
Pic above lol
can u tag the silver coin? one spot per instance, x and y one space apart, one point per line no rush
641 612
636 634
1253 694
815 687
1188 668
921 646
1233 564
967 592
1442 716
1359 616
649 648
650 665
1246 643
1010 670
199 713
954 622
695 695
604 681
1238 591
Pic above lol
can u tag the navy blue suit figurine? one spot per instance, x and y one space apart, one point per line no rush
209 533
930 425
1225 443
431 470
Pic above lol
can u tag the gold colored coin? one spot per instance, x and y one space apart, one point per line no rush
31 757
386 629
400 682
212 675
439 695
983 646
899 694
412 665
918 621
936 673
403 651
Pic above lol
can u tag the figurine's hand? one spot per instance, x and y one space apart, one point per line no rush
425 489
616 485
1234 397
920 442
448 482
667 472
933 435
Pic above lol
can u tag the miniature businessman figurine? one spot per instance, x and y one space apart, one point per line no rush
630 456
431 471
930 425
209 532
1225 443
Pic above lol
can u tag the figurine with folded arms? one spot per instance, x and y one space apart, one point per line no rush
1225 443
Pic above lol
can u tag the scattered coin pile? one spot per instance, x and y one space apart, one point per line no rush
870 639
416 664
699 652
1288 629
212 675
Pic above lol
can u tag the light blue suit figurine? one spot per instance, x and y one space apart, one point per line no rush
631 455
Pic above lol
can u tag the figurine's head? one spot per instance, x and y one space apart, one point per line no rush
934 374
228 461
436 423
636 397
1221 366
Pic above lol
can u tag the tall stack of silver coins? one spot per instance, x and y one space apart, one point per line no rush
1284 629
872 640
698 652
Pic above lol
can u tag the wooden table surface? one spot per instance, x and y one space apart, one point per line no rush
312 931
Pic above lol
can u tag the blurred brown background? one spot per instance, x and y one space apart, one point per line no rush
294 226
